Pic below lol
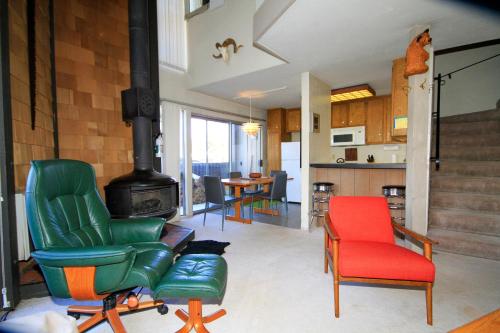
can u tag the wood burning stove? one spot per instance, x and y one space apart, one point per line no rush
143 192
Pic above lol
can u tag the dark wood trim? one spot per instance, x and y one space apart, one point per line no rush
353 88
467 47
31 38
9 274
53 83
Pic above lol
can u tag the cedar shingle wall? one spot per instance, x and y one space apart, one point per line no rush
92 65
29 144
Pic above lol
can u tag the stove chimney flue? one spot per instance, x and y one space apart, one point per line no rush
144 191
138 102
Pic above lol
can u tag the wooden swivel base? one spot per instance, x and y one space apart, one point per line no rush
110 311
195 317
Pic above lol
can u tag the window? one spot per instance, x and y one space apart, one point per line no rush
195 7
172 52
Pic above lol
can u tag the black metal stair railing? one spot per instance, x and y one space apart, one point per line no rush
436 115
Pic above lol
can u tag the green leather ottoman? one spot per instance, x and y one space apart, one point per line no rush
195 276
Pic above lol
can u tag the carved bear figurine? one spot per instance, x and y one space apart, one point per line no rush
416 55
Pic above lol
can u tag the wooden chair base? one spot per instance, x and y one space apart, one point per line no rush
112 315
194 319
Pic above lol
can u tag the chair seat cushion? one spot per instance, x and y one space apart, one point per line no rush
383 261
194 276
151 263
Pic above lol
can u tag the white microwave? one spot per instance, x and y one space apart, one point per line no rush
348 136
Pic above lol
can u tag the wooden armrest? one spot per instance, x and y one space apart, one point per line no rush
413 234
331 233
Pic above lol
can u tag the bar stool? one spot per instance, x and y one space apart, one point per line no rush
397 192
322 191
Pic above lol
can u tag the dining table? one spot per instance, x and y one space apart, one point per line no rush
239 184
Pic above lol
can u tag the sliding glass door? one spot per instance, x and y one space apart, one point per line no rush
217 148
245 151
210 153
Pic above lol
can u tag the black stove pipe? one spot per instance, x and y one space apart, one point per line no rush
140 78
139 43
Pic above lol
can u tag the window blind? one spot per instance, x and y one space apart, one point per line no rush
172 34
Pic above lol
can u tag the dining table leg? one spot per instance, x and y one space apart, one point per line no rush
237 208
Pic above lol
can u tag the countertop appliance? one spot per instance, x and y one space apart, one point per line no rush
290 162
348 136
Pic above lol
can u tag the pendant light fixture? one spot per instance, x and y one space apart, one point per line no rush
251 128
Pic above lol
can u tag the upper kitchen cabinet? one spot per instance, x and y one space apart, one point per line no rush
374 113
276 122
293 120
375 120
348 114
357 113
399 110
340 115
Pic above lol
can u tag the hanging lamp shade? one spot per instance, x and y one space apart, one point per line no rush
251 128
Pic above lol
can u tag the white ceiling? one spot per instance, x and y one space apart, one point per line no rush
348 42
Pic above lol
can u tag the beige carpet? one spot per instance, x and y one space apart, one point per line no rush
276 284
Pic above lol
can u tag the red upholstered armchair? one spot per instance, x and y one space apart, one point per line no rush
360 247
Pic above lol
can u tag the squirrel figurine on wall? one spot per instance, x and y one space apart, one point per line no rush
416 55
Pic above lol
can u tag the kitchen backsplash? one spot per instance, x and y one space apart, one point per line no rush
392 153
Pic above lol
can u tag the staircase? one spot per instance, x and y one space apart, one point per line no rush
464 215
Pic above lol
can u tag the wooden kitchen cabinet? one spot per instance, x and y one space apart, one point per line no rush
340 115
399 96
276 133
375 113
274 119
293 120
348 114
375 120
357 113
273 151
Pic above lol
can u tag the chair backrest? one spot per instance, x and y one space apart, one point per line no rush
63 205
278 190
214 190
273 173
235 174
361 219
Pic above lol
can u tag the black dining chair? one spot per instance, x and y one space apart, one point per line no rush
246 192
215 194
272 174
278 190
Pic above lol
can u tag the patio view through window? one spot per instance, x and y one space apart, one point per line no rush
219 147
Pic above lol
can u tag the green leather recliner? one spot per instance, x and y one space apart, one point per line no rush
76 241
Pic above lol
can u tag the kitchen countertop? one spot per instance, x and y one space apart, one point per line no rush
359 165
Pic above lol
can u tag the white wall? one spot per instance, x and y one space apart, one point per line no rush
319 103
315 99
235 20
474 89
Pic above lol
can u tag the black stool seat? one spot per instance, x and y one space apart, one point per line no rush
394 191
323 187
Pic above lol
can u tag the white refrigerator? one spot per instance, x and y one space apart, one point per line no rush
290 162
